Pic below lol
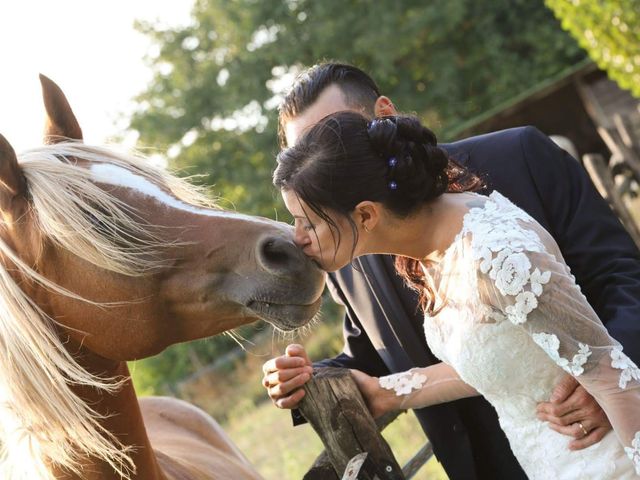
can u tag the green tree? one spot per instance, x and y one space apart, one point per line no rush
159 375
609 31
216 83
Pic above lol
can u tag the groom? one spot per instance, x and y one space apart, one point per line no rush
383 325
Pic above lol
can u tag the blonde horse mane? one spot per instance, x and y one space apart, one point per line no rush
42 422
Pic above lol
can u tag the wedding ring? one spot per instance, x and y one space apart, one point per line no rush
584 430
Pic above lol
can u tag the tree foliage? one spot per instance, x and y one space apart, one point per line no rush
216 83
160 374
609 31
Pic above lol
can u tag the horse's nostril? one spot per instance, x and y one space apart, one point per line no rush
276 253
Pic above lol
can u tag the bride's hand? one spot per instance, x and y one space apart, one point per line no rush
378 400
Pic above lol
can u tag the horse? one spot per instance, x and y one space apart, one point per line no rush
105 259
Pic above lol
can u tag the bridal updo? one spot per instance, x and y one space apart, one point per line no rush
416 166
346 159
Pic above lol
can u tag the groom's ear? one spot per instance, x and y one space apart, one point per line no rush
384 107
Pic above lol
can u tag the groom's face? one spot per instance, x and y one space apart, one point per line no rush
331 100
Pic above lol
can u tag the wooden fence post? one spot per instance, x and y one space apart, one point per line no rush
600 174
335 409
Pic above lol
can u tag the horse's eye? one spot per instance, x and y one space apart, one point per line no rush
98 224
113 229
106 226
94 221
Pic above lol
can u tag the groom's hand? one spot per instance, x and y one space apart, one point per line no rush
573 412
284 375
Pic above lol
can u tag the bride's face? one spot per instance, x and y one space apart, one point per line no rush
328 246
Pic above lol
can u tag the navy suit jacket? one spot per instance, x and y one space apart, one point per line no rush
383 325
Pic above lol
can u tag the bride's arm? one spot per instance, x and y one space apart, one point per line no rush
530 285
415 388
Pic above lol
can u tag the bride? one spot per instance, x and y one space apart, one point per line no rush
502 310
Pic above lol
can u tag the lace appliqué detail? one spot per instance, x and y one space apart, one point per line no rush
403 383
633 452
550 344
629 369
510 269
503 362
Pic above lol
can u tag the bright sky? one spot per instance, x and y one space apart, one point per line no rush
89 48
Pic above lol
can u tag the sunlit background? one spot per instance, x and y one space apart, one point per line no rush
89 48
205 102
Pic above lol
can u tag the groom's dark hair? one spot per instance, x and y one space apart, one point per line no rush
358 88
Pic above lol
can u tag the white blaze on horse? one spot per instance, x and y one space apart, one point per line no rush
105 259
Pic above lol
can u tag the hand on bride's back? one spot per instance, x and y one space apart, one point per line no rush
572 411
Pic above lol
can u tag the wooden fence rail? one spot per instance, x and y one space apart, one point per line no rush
337 412
618 176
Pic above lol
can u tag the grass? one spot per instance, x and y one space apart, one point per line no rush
234 396
265 434
282 452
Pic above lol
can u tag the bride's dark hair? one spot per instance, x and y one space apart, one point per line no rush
346 159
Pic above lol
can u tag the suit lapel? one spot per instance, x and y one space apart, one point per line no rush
402 347
459 154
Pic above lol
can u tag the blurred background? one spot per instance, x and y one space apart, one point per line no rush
196 85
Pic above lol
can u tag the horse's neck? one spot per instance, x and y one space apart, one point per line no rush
124 420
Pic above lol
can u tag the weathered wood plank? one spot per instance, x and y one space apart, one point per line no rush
601 177
628 145
418 460
322 468
335 409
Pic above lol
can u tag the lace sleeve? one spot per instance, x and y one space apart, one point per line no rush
423 387
528 282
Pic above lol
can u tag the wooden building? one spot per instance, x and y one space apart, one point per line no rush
600 119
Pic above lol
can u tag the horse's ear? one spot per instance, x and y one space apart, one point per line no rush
61 123
12 181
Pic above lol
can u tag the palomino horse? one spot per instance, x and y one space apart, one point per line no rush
105 259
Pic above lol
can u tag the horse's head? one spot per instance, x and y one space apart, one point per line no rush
128 259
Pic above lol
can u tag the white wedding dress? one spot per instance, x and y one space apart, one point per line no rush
511 322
